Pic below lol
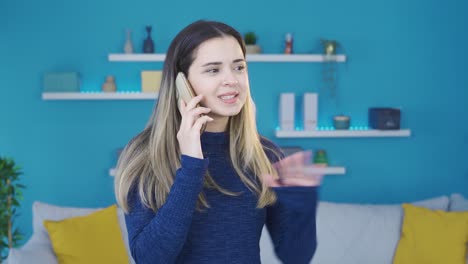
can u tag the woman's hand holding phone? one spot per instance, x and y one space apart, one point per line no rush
193 119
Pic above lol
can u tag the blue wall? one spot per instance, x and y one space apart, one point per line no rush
403 54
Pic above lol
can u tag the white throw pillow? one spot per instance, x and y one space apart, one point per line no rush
360 233
458 203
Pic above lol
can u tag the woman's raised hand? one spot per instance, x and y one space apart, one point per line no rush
295 170
193 119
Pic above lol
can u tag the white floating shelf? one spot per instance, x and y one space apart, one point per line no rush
294 58
343 133
309 169
136 57
325 170
250 57
99 96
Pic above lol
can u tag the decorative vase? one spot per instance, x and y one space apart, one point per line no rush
148 45
128 47
288 44
109 85
252 49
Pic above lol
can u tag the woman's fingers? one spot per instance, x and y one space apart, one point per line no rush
191 114
297 170
270 180
310 180
193 118
201 121
194 102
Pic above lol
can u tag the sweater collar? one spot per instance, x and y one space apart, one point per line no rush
215 138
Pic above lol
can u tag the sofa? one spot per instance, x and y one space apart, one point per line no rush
346 233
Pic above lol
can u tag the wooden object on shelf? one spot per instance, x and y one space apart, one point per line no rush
150 81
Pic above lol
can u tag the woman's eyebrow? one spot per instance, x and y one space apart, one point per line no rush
212 63
219 63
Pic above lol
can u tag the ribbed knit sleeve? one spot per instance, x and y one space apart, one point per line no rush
291 224
159 237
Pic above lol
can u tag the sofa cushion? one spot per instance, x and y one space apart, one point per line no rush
432 236
31 253
94 238
458 203
360 233
43 211
39 247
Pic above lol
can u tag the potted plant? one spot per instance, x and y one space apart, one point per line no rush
329 46
10 195
329 67
251 47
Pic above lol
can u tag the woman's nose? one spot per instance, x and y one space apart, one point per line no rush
229 79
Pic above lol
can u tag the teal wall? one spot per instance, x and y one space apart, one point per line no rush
402 54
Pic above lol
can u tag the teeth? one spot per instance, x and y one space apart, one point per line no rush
227 97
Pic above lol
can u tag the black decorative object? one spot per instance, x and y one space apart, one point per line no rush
148 45
384 118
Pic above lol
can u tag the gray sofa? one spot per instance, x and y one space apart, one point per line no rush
346 233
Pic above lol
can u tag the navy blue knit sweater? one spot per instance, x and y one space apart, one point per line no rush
229 230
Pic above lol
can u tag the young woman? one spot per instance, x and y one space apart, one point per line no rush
196 194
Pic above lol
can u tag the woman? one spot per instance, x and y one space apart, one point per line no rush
198 183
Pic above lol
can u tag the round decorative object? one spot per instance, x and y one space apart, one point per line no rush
109 85
341 122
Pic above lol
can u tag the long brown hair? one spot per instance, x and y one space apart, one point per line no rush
150 160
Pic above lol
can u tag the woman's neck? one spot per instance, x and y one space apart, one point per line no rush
219 124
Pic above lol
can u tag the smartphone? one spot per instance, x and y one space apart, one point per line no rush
185 91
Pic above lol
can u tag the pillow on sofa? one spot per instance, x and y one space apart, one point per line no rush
38 249
95 238
359 233
432 236
43 211
458 203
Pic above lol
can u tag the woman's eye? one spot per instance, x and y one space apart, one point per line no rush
240 68
213 70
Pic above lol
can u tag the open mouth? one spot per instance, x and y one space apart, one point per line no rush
229 98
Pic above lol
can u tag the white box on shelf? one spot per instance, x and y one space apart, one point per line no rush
286 111
310 103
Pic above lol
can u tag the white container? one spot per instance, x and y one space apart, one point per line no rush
286 111
310 103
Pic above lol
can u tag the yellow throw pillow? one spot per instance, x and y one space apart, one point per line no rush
95 238
432 237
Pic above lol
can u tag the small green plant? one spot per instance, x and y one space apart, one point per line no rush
10 195
329 46
329 68
250 38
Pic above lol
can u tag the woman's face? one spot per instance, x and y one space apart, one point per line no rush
219 73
